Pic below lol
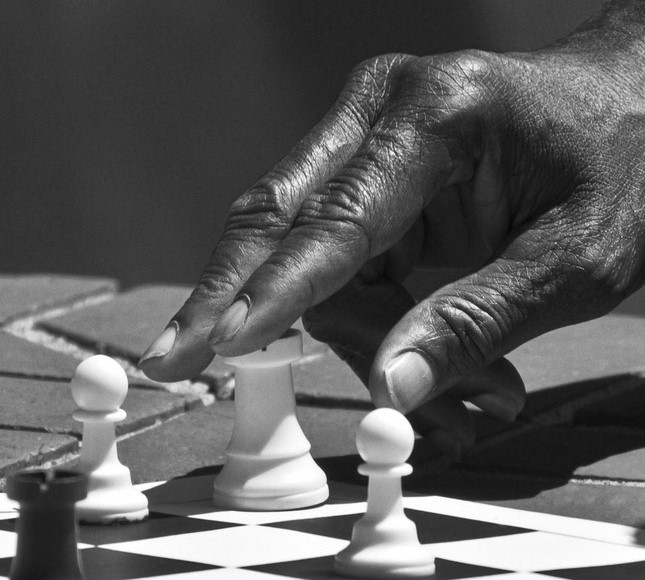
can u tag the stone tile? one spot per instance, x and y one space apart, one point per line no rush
199 439
611 452
326 377
615 504
624 466
620 504
570 402
183 444
48 406
22 449
28 294
570 366
634 305
128 324
125 325
625 409
611 345
20 357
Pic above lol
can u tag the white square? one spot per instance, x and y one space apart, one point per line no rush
8 542
228 574
8 507
520 576
205 511
236 547
536 551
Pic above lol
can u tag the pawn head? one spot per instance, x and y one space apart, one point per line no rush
99 384
385 437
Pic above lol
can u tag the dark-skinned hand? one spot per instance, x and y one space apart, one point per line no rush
521 174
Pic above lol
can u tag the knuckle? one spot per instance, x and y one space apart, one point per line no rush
340 210
374 73
470 83
219 279
472 330
463 74
264 208
368 85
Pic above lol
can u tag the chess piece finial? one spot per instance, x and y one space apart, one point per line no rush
99 384
385 437
384 541
99 387
268 465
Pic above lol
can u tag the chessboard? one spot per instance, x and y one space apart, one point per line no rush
186 537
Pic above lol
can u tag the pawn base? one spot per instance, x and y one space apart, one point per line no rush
112 506
381 562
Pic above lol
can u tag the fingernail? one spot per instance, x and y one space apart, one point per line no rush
446 443
164 343
409 380
501 407
232 319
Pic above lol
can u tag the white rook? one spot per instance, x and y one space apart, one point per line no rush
269 465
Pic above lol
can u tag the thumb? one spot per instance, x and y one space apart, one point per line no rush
466 326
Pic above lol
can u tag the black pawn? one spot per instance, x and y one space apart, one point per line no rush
47 529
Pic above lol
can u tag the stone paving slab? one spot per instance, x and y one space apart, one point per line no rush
21 357
24 295
620 504
48 405
326 378
626 409
128 324
611 345
633 306
567 452
23 449
198 440
571 401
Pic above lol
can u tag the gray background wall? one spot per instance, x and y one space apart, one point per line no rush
127 127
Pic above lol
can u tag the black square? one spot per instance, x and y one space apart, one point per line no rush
323 569
629 571
156 525
431 527
102 564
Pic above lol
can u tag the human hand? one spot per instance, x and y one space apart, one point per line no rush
523 171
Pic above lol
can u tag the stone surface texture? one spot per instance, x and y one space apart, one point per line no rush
578 448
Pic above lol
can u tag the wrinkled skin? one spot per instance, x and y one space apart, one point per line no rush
522 175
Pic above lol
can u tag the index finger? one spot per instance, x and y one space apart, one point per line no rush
257 222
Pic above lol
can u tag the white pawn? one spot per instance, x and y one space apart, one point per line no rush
384 541
268 463
99 387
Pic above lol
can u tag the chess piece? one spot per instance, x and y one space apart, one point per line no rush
384 541
99 387
268 464
47 530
